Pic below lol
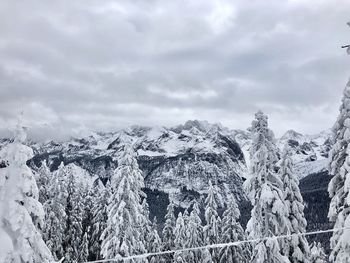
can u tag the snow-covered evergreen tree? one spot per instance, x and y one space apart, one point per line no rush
180 238
232 231
20 211
44 178
154 243
296 248
84 248
123 234
55 209
99 219
74 211
268 216
195 235
212 220
317 253
339 186
168 242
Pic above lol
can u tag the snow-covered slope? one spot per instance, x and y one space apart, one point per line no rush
181 160
310 152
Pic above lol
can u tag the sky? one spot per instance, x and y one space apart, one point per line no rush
78 66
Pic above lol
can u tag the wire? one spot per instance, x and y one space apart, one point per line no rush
220 245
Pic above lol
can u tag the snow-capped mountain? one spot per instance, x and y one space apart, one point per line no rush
310 152
181 160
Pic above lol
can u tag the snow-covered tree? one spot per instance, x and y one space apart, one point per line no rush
153 242
168 232
212 220
75 212
84 248
21 214
339 186
317 253
232 231
195 236
99 219
180 237
268 216
44 178
123 235
296 248
55 209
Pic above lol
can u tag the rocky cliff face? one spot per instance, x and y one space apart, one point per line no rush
178 162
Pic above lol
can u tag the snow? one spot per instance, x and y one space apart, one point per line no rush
5 244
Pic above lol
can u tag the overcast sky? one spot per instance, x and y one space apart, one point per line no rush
81 65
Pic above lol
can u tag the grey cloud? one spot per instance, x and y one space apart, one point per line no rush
104 65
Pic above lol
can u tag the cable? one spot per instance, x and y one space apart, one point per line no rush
220 245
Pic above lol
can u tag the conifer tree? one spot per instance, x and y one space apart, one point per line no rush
268 216
195 236
213 221
44 178
296 248
232 231
84 248
317 253
339 186
168 242
154 242
123 235
74 211
99 219
21 214
55 217
180 237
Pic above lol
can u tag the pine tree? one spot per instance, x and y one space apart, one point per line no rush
44 178
21 214
339 186
195 236
180 237
84 248
268 216
146 225
56 218
168 232
99 219
295 248
154 242
317 253
74 211
123 235
232 231
213 221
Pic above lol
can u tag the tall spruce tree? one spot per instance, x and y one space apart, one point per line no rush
74 211
123 234
21 214
339 186
168 241
264 188
317 253
55 213
195 236
232 231
296 248
154 243
44 178
180 238
212 220
99 219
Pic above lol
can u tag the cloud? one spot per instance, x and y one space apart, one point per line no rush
106 65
